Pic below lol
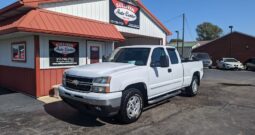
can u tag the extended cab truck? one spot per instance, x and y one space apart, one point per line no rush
135 77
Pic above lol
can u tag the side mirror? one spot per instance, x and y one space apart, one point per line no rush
164 61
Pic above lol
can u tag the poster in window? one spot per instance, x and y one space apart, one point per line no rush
124 14
63 53
19 51
94 54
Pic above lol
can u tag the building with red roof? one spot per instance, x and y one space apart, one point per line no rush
39 39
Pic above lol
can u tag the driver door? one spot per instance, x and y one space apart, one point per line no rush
159 77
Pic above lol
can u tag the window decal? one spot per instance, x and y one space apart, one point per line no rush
64 53
19 51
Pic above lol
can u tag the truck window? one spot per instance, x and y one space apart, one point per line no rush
173 56
137 56
156 55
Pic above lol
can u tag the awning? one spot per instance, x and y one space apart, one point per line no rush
43 21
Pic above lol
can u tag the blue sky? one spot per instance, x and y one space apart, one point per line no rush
239 13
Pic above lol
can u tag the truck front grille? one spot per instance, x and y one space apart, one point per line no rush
82 84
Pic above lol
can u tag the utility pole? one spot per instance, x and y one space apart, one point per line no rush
230 47
177 32
183 32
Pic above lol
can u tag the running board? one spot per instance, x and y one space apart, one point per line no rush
172 94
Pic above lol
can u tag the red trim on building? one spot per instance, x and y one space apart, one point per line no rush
37 64
43 21
18 79
168 32
35 3
49 78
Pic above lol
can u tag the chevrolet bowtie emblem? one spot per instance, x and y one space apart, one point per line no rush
75 82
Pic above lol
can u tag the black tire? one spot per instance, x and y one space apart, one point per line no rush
123 116
248 68
189 90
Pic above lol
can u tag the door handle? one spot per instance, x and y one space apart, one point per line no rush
169 70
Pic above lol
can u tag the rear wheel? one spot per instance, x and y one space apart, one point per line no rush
192 90
131 106
247 68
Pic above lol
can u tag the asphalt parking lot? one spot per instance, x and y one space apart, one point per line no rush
225 105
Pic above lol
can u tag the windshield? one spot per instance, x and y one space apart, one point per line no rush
202 56
230 60
137 56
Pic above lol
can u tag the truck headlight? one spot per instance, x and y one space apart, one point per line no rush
101 85
64 79
102 80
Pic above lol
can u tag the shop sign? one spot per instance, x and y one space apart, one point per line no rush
64 53
124 14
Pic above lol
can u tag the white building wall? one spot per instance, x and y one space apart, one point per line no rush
44 50
92 9
147 28
6 52
99 10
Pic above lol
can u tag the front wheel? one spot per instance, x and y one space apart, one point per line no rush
131 106
192 90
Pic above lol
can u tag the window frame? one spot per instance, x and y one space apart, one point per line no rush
21 43
175 51
152 51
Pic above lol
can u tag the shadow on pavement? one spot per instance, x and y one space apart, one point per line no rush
65 113
5 91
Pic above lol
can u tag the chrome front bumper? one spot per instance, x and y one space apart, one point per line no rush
98 104
100 99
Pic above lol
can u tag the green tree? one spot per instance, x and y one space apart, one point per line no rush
208 31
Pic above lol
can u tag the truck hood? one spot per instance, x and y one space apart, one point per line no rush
100 69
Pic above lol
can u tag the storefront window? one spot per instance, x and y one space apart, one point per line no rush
19 51
63 53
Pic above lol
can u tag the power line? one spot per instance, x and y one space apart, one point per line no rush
189 29
173 18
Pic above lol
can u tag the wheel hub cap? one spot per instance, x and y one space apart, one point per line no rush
134 107
194 86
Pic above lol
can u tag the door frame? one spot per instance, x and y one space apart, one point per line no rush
98 44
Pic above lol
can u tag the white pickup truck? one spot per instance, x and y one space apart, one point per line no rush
134 77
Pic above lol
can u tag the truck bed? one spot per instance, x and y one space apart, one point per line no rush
189 67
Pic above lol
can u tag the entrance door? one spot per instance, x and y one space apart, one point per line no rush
94 52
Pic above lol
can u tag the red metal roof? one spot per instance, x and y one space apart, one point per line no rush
153 17
43 21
